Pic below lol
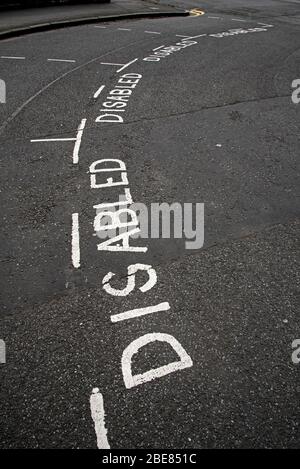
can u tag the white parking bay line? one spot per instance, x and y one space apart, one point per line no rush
135 313
13 58
72 139
98 416
266 25
78 141
109 63
61 60
190 37
123 66
75 241
200 35
126 65
99 91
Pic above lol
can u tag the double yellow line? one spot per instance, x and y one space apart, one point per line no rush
196 12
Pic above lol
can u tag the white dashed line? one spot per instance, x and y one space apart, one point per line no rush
78 141
75 241
124 29
102 27
151 32
14 58
214 17
98 416
99 91
60 60
242 21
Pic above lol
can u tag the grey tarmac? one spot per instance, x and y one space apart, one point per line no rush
211 123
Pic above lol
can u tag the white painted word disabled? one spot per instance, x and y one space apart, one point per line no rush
158 221
127 218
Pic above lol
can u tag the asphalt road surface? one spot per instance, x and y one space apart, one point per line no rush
209 121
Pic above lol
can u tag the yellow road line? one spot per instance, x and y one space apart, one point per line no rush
196 12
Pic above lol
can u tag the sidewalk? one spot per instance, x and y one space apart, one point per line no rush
16 22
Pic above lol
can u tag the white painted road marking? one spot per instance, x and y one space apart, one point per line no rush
60 60
190 37
200 35
131 381
16 58
78 141
109 63
2 351
132 270
126 65
98 416
117 99
234 19
53 140
266 25
124 29
167 51
99 91
75 241
214 17
135 313
151 32
158 47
